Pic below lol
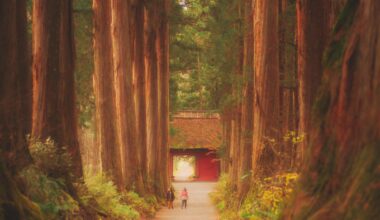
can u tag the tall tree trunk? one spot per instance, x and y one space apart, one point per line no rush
140 88
226 157
266 86
125 105
15 110
163 66
288 81
15 85
247 105
237 92
106 129
152 96
342 174
313 29
54 113
234 150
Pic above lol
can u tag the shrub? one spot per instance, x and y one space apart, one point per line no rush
48 193
225 199
267 197
48 157
265 200
108 198
140 204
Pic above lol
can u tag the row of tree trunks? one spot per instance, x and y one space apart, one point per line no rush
253 132
45 106
131 91
274 93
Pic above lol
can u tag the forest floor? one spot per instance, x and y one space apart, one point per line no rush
199 205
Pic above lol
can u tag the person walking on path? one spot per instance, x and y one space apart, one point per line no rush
184 198
170 198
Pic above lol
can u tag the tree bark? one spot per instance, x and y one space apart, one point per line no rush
163 67
312 34
106 128
15 110
15 85
288 82
341 176
140 88
125 105
226 158
54 113
266 86
246 135
152 96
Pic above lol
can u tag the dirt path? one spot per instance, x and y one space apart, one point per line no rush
199 205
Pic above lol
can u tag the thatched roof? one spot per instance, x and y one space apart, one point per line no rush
195 129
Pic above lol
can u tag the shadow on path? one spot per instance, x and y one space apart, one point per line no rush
199 206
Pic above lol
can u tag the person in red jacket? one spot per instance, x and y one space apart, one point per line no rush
184 197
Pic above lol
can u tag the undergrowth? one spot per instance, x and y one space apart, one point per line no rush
49 194
95 193
105 193
265 199
117 205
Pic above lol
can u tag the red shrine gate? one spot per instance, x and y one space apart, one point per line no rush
194 165
195 137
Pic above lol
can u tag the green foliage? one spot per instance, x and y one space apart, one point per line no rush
126 205
98 193
225 199
293 137
82 5
192 84
49 194
48 157
268 196
265 200
44 180
108 198
142 205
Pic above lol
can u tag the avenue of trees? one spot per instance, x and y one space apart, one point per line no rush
86 98
38 98
296 83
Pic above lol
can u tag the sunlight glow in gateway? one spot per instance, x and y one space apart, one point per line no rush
184 167
182 3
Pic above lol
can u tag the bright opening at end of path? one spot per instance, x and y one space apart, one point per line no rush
184 168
